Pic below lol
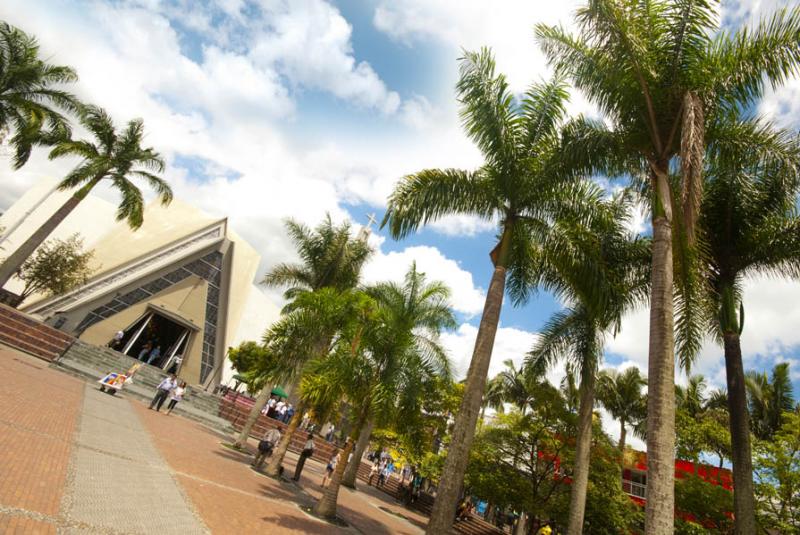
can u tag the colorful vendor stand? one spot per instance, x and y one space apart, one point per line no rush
114 382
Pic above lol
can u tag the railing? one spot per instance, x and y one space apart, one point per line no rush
633 488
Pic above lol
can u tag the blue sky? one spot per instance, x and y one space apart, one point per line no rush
293 108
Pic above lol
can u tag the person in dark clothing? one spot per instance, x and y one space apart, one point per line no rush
308 451
164 388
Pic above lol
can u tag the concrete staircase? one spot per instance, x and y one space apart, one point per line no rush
93 362
474 525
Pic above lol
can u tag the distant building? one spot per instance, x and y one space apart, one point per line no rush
183 283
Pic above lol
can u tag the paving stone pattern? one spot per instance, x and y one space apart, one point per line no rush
118 481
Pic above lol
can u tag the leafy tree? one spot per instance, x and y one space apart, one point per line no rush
668 81
523 183
30 97
116 157
609 510
621 395
777 475
525 451
57 267
705 502
495 395
254 362
769 399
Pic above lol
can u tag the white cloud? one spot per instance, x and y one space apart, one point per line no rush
462 225
510 343
466 297
309 42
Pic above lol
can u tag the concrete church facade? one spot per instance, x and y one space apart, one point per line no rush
182 283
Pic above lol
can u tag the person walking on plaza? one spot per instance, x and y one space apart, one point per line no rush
162 391
373 471
265 446
308 451
176 395
330 468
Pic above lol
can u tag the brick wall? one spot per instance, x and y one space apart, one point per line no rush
25 333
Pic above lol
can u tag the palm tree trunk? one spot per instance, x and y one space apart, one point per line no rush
623 434
24 251
743 498
326 507
276 459
660 494
583 443
255 412
349 479
444 508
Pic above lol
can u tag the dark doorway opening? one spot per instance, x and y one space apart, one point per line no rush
156 340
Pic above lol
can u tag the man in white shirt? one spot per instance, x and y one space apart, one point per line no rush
265 447
164 388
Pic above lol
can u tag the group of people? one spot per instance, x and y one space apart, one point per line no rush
276 408
170 388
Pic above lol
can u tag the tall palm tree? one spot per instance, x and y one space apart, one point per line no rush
114 156
601 270
769 399
30 96
330 258
749 226
416 311
381 367
620 393
522 184
663 73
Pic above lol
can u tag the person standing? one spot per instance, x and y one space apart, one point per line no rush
289 414
265 447
148 346
176 395
306 420
330 468
329 435
308 451
162 391
155 354
117 340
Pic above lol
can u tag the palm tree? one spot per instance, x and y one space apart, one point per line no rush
518 385
115 156
769 399
331 258
691 398
29 92
495 395
381 362
620 393
416 311
749 226
663 74
521 185
600 269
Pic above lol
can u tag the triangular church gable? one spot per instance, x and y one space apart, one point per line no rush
209 268
109 281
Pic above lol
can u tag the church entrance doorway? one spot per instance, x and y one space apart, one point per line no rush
157 340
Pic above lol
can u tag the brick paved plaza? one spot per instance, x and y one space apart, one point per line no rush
75 460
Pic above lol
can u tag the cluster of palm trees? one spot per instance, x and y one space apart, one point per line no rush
676 94
35 110
371 351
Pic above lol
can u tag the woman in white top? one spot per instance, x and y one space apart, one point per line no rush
176 395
